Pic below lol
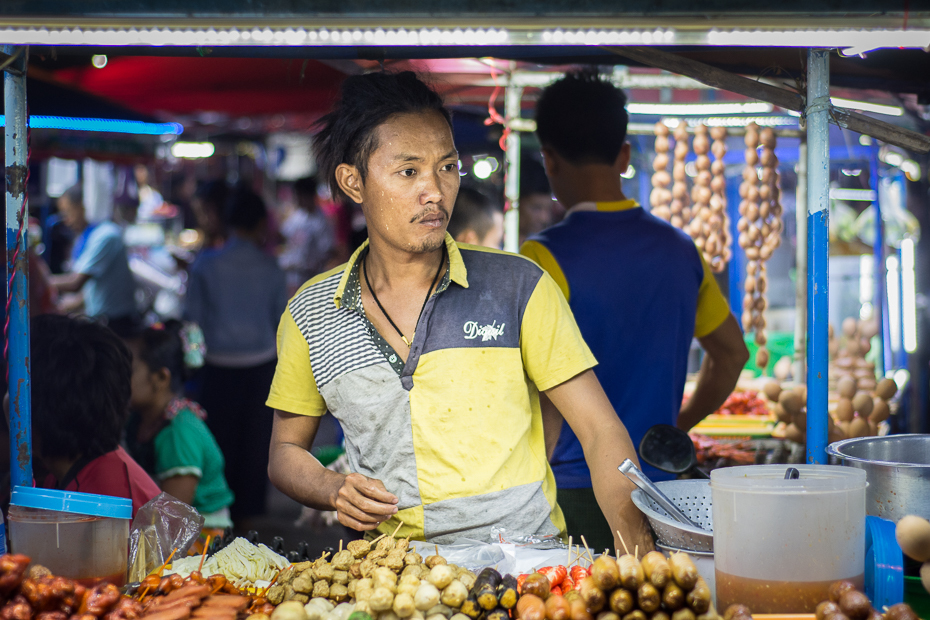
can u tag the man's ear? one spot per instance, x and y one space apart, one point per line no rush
623 159
350 182
551 161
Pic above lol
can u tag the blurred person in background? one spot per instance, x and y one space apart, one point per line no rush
208 204
150 200
308 237
43 297
182 190
476 219
538 208
237 295
167 433
81 376
99 270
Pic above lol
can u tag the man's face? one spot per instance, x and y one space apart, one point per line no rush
71 214
495 235
412 181
535 213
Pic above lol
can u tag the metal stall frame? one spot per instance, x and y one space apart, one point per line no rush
817 109
16 161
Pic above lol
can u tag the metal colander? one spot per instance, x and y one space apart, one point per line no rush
693 498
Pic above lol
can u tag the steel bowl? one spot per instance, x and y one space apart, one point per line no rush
897 468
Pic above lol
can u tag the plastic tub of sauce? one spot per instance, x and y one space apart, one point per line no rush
779 544
81 536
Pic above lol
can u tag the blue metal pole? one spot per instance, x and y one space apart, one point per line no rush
818 250
878 271
14 100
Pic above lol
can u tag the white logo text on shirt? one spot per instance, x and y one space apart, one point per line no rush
486 332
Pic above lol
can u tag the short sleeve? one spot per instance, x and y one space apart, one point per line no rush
550 341
712 306
179 449
294 389
541 255
101 250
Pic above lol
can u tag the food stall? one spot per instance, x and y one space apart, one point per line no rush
385 578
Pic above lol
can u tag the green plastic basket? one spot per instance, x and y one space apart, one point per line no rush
917 597
779 345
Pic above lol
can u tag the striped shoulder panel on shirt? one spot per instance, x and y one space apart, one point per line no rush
337 338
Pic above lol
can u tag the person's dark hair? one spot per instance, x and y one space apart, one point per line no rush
305 186
81 375
74 194
583 118
473 210
164 348
533 179
213 195
246 210
347 134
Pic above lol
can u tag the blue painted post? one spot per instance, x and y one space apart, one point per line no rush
878 271
14 100
818 250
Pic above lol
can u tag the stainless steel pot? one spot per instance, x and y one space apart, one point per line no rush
897 468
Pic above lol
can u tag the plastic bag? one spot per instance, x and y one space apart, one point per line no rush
535 541
471 554
163 525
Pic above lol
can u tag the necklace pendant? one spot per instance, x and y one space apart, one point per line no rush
406 342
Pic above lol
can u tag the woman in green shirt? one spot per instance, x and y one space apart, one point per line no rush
167 434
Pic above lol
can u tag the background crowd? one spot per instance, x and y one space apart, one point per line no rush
199 372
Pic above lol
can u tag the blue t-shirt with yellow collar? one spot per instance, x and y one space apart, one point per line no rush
639 290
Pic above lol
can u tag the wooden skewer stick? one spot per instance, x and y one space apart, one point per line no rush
265 591
340 545
617 551
622 542
399 525
587 550
161 571
375 541
636 552
203 557
568 561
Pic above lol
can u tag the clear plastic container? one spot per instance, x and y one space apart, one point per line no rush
779 544
81 536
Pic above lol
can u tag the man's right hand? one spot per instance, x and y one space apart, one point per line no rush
363 503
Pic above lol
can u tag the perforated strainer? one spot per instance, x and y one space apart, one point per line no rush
694 499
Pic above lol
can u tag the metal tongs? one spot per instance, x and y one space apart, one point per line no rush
631 471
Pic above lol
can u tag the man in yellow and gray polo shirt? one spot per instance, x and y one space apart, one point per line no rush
430 353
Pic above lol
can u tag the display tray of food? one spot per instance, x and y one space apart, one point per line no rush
744 414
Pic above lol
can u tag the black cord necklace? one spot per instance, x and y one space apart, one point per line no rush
429 292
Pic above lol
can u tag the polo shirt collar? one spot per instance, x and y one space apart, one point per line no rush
617 205
457 270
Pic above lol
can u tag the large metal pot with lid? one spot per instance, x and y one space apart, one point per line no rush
897 468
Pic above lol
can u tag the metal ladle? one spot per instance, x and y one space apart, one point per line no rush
631 471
